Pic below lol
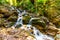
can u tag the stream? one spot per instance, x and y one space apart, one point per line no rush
37 34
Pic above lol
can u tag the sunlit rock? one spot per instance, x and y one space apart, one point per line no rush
15 34
57 37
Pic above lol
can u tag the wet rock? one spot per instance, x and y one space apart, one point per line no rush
42 21
7 16
57 24
57 37
12 18
26 19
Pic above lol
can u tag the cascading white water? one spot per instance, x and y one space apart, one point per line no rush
37 34
19 20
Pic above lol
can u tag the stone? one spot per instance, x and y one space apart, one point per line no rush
57 37
1 15
15 34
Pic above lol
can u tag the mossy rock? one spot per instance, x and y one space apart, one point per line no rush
12 18
26 19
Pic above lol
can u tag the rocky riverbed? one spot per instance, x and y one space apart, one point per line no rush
8 18
14 34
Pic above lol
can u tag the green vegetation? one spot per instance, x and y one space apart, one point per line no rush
47 8
26 4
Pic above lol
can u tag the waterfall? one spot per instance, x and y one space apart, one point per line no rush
37 34
19 20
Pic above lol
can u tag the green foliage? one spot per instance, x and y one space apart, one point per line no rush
2 1
39 6
42 1
11 2
48 8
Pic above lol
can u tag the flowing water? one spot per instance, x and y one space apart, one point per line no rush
37 34
19 20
